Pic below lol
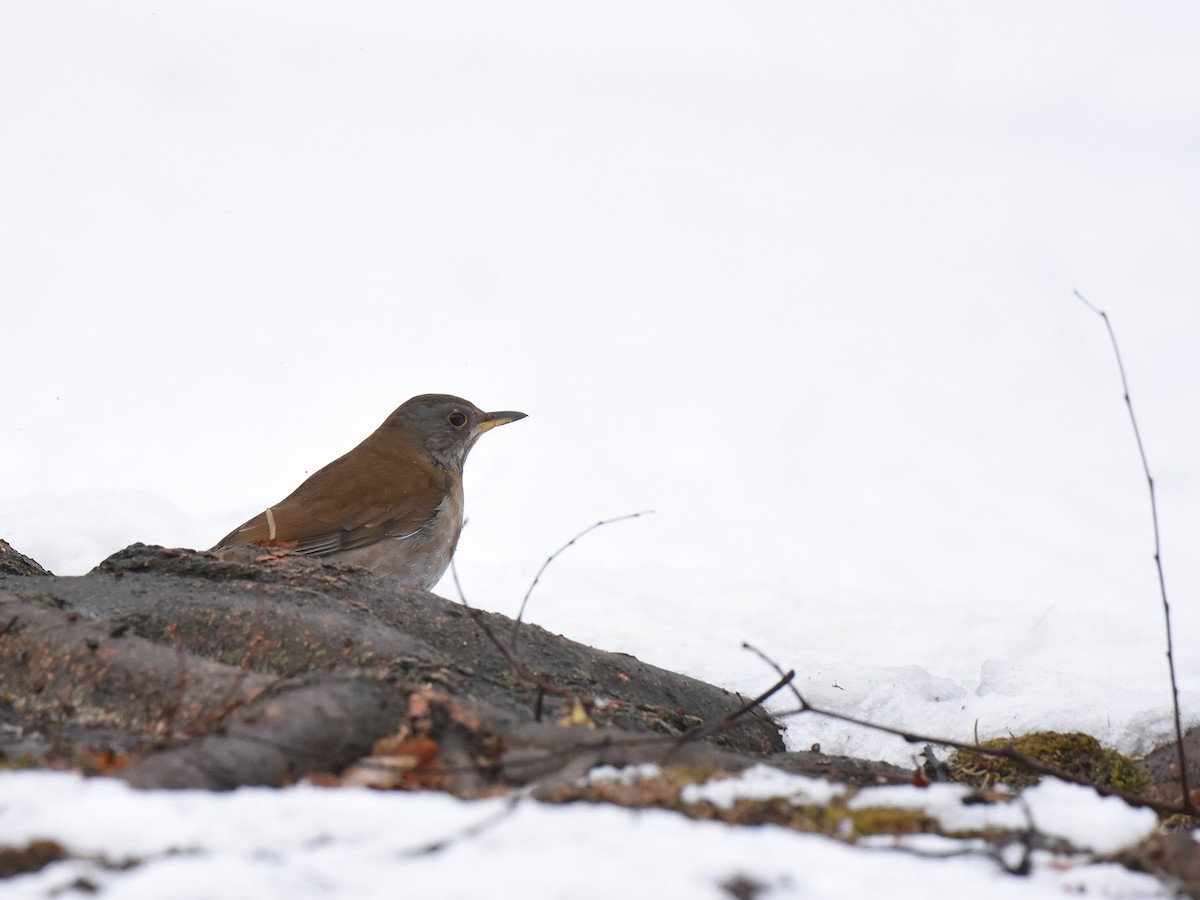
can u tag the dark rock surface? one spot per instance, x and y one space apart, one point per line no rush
193 650
14 563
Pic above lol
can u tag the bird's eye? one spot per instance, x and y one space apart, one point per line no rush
457 419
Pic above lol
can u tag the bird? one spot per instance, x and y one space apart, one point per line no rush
393 504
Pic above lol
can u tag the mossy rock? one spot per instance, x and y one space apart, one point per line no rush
1076 753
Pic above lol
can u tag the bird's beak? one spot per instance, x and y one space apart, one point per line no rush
498 418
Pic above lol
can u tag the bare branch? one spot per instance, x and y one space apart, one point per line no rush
727 720
1008 751
470 831
553 556
515 664
1188 805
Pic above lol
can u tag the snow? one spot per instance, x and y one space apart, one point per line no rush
762 783
797 277
1070 811
315 842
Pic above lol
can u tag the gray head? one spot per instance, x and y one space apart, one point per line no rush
447 426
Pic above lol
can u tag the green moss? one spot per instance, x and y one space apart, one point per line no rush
834 820
1076 753
827 820
890 820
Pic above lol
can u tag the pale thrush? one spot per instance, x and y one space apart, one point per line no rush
394 503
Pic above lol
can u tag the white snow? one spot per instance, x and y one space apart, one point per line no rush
797 277
762 783
623 775
313 842
1070 811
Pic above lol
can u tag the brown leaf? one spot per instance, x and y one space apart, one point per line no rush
102 760
33 857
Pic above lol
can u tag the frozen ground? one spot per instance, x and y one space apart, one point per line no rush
798 278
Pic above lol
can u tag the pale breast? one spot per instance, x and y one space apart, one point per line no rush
419 559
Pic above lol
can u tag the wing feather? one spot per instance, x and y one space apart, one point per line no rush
372 493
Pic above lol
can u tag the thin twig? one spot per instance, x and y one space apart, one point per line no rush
553 556
1008 751
517 667
470 831
791 683
1188 805
462 598
721 724
544 687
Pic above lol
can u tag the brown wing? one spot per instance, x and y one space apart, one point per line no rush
371 493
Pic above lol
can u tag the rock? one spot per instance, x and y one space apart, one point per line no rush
15 563
247 660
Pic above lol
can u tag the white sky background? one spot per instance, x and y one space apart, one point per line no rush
796 276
